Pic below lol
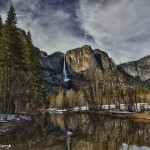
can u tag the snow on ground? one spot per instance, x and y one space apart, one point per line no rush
107 107
9 117
140 106
55 110
137 107
133 147
80 108
124 107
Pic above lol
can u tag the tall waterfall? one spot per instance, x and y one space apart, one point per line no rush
66 79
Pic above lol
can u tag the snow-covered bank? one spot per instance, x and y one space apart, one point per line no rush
55 110
136 107
75 109
123 108
10 117
138 111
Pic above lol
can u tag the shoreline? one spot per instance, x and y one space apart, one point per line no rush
137 116
138 111
143 116
11 126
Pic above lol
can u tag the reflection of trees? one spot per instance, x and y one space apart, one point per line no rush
94 132
90 133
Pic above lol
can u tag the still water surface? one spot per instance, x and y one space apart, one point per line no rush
80 132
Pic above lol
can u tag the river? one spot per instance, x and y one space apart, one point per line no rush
79 132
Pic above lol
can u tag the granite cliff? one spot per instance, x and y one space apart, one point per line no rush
138 69
52 70
86 59
79 63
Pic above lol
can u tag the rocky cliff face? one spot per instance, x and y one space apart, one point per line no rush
140 68
79 62
103 60
85 59
80 59
53 62
52 70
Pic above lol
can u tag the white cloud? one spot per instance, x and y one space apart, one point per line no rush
120 27
50 27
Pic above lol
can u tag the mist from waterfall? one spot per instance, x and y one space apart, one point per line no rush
66 79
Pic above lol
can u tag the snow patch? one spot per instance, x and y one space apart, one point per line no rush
133 147
9 117
123 108
55 110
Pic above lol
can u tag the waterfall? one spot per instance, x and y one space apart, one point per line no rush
66 79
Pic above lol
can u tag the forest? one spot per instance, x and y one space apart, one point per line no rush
21 84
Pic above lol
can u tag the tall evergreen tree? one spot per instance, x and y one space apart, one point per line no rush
11 17
11 58
36 87
29 53
11 39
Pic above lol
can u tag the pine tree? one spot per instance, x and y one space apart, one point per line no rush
28 52
11 39
11 17
36 86
11 58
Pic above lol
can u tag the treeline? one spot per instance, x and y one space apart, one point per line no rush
21 85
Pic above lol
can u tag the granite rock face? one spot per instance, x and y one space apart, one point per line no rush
85 59
52 62
140 68
79 62
80 59
52 70
103 60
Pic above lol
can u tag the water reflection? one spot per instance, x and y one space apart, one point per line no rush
80 132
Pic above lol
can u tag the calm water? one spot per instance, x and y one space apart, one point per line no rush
80 132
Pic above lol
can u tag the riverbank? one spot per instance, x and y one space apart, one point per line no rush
140 111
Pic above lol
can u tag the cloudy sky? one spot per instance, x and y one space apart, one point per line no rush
119 27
